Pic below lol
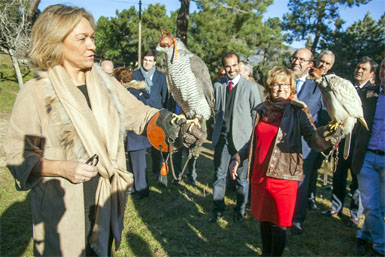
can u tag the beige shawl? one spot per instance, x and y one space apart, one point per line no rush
99 130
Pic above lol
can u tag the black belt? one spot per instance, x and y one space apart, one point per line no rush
379 152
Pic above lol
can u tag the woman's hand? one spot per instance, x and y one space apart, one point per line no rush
233 169
77 171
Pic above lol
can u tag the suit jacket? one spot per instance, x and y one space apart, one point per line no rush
137 142
158 94
369 98
244 111
311 95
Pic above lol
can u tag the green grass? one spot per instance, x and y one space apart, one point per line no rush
173 221
8 82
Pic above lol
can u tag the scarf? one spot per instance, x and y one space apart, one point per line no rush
147 77
100 131
273 111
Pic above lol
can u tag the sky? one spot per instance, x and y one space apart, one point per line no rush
108 8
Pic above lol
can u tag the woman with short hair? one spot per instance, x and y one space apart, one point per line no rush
274 151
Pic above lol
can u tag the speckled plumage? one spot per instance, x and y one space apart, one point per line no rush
342 103
190 81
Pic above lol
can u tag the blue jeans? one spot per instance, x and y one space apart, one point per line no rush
371 183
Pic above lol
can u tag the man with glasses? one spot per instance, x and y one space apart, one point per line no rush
301 63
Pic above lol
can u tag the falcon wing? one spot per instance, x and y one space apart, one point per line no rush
348 97
202 75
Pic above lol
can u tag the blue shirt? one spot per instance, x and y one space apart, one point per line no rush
377 138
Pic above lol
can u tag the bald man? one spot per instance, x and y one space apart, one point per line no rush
107 67
301 63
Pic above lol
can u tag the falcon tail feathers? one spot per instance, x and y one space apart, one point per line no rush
348 139
363 122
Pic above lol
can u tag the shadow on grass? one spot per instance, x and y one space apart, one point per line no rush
16 228
177 219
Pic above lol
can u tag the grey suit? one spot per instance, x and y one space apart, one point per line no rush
246 98
227 144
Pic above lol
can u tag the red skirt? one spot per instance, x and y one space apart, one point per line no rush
272 199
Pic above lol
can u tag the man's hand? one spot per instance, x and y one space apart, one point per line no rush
233 169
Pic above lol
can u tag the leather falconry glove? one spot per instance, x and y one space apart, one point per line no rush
332 136
163 134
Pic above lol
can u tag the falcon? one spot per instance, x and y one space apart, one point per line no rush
342 103
189 79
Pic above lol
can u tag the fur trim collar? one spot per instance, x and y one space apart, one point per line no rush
135 84
68 136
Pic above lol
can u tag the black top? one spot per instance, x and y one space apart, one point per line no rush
227 121
83 89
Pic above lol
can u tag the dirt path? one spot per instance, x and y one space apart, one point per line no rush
4 118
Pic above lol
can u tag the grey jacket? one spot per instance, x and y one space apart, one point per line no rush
244 112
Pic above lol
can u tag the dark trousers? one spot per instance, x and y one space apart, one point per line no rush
339 186
273 239
179 159
301 202
312 191
138 165
223 152
156 159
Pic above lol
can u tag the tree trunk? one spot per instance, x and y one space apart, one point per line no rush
315 42
16 67
182 21
32 9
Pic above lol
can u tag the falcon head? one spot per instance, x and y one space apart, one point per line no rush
171 46
315 74
166 40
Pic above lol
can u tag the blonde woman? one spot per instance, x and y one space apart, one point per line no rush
70 112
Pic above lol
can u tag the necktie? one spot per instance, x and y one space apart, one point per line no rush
230 85
298 85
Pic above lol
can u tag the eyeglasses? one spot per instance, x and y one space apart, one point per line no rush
277 85
301 60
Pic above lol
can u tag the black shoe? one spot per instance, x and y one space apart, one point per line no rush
353 223
192 182
239 217
311 205
296 229
216 215
141 194
330 213
360 247
175 181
